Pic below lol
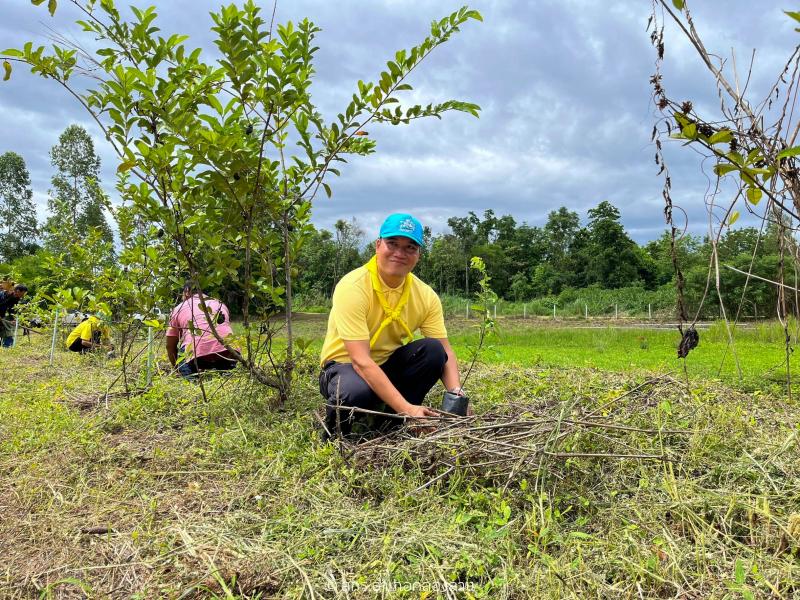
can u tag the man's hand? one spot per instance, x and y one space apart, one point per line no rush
419 411
419 424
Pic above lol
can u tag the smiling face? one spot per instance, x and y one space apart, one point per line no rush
397 257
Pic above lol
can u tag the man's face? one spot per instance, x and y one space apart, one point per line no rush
397 256
19 293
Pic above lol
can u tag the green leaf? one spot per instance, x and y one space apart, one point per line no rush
735 158
126 166
13 52
214 103
6 70
51 6
723 168
690 131
679 4
738 572
723 136
327 189
793 14
754 155
733 218
754 195
794 151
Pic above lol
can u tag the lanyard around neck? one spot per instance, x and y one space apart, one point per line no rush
392 314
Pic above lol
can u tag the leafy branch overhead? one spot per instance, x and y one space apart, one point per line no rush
225 157
762 157
51 5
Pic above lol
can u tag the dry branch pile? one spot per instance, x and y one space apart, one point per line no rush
518 440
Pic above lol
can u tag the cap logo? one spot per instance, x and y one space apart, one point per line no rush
407 225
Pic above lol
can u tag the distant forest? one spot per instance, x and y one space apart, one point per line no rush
558 259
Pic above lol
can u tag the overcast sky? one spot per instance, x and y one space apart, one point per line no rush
563 85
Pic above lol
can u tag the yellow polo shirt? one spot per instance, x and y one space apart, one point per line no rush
86 329
356 314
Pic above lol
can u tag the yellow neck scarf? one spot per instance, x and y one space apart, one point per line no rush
392 314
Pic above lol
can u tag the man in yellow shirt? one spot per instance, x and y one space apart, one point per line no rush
88 335
368 358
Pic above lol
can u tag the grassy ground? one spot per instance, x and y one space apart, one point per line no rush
170 494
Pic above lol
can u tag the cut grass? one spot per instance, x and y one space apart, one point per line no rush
163 494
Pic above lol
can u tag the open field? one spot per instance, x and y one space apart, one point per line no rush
756 360
165 494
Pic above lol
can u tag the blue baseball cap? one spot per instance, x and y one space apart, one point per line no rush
401 224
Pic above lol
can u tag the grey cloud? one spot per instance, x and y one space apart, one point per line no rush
566 118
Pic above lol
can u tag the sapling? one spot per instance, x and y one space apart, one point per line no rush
485 297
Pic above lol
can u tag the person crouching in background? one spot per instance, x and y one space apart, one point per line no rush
89 335
190 333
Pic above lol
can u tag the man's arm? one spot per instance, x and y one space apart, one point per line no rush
92 344
88 342
172 349
379 383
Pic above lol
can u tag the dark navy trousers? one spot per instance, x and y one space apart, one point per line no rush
413 369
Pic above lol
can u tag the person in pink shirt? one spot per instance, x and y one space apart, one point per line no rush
189 330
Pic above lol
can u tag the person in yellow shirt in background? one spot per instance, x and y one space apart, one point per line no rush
369 358
90 334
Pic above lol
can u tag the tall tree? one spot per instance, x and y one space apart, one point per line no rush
466 229
314 262
448 264
17 212
561 234
561 227
76 200
348 239
688 251
610 256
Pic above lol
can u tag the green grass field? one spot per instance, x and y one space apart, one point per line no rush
756 359
167 493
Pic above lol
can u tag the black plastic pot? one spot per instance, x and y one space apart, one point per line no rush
455 404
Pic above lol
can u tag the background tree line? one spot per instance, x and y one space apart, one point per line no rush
555 260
